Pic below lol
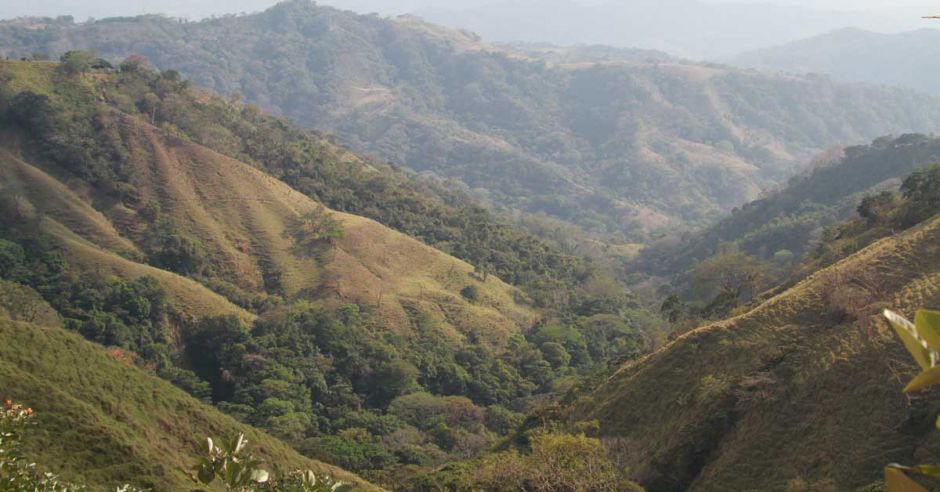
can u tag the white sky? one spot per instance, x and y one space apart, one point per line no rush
82 9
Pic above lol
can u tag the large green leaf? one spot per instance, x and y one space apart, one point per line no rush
923 380
908 334
928 327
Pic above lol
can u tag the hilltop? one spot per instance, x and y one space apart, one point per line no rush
617 148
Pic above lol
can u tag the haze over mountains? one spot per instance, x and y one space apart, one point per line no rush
697 29
855 55
618 147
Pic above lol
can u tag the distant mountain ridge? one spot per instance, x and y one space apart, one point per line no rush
856 55
618 147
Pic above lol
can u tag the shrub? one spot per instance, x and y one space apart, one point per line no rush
470 293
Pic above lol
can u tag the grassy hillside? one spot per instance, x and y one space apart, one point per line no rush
242 221
856 55
614 147
802 392
103 422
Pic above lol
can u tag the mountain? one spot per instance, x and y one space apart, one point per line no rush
793 217
103 422
803 392
689 28
156 219
856 55
614 147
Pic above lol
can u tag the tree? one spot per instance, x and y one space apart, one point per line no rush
77 62
556 463
875 208
672 308
730 272
922 191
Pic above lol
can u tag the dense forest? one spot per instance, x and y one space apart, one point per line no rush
617 148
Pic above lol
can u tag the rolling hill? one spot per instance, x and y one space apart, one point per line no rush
856 55
801 393
615 147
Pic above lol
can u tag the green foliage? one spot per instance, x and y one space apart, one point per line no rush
922 191
791 217
77 62
470 293
227 463
555 463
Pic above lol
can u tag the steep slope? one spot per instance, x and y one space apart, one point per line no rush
802 392
793 217
856 55
244 220
613 147
104 422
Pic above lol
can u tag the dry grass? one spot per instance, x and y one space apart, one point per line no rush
804 389
242 217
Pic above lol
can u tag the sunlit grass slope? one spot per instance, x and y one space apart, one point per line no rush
245 219
802 392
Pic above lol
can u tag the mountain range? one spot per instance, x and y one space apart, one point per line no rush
618 148
856 55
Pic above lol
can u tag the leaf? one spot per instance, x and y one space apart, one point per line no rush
239 444
912 341
927 470
259 476
924 380
897 481
210 446
928 327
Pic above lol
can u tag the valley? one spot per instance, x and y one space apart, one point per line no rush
311 250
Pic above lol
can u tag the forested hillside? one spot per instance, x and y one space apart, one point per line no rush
791 221
355 343
614 147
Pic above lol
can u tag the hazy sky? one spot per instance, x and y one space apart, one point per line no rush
199 8
521 20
